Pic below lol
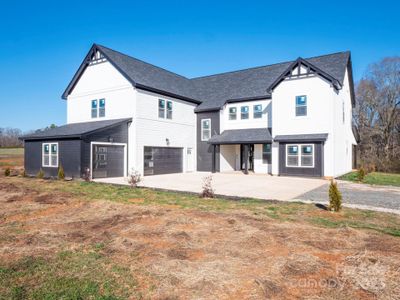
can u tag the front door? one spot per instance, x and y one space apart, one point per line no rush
250 160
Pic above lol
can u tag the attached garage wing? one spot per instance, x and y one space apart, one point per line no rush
162 160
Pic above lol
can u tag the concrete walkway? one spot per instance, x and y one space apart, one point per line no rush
231 184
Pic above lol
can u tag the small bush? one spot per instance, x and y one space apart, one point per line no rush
361 174
134 178
23 173
335 197
40 174
86 175
208 191
61 174
7 172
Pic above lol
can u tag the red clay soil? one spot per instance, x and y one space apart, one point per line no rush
191 254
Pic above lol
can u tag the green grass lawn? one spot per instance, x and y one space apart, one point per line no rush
377 178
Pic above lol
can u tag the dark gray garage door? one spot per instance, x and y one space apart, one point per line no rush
162 160
108 161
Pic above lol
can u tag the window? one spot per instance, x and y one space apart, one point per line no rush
205 129
300 156
266 154
169 110
98 108
343 115
257 111
50 155
232 113
301 106
244 112
102 108
94 108
161 108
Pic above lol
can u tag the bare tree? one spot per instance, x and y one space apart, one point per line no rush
9 137
377 115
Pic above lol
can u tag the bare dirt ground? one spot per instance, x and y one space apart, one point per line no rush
177 253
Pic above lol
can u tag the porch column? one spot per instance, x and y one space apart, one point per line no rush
214 151
246 159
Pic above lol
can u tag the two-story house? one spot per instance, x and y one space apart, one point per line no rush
123 114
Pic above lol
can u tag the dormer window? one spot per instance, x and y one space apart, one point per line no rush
301 106
257 111
232 113
244 112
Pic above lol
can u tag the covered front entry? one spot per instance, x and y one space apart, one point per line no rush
242 149
162 160
108 160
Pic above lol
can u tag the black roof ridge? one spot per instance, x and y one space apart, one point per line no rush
270 65
145 62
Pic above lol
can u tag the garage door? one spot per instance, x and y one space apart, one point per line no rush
162 160
108 161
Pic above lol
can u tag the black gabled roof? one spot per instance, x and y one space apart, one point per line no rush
238 136
74 130
213 91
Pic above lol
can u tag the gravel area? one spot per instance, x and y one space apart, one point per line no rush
359 194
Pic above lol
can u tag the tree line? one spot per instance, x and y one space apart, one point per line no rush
9 137
376 116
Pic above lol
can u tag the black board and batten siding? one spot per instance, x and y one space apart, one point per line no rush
74 153
69 157
318 169
204 149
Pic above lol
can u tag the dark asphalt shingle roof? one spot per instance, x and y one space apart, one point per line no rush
213 91
317 137
251 135
74 129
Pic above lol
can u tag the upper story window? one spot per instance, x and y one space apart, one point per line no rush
98 108
94 108
232 113
169 110
50 155
257 111
205 129
161 108
301 106
343 113
300 155
102 108
244 112
164 109
266 154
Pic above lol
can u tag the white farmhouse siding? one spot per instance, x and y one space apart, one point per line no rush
319 119
264 122
150 130
342 134
100 81
229 158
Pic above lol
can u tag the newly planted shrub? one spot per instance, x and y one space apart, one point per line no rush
335 197
61 174
7 172
208 191
86 175
40 174
23 174
361 174
134 178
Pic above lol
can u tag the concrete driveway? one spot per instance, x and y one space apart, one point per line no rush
232 184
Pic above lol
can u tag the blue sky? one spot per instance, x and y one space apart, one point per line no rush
42 43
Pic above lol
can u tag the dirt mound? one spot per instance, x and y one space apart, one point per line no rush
301 264
50 199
